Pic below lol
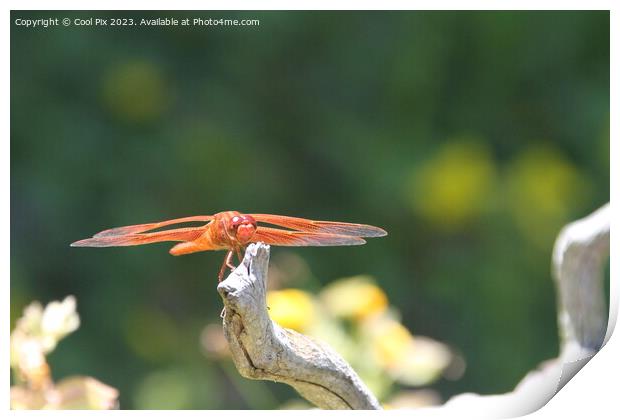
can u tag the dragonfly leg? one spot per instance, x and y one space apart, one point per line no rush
227 263
229 258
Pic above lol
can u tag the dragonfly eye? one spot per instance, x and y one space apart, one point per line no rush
242 220
243 228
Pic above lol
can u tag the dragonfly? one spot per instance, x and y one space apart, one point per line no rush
233 231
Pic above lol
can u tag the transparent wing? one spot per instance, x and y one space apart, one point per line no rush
125 230
282 237
306 225
179 235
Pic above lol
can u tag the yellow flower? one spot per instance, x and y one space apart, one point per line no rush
408 360
36 334
542 188
135 91
59 319
452 187
423 363
50 324
355 297
391 342
291 308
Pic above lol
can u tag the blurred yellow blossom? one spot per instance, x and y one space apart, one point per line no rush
31 319
453 187
58 320
353 315
542 187
46 326
412 361
73 393
135 91
391 343
354 297
28 360
35 335
291 308
424 362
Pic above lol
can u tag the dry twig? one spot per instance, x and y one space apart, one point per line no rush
261 349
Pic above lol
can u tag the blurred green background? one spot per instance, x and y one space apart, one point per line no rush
471 137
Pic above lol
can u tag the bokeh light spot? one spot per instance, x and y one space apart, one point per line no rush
354 297
291 308
135 91
543 188
453 187
164 390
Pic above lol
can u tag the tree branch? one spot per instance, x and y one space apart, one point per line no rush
580 253
261 349
579 257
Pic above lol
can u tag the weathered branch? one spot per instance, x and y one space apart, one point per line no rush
579 257
261 349
580 253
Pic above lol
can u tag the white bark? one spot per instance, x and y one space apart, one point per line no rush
579 257
580 253
261 349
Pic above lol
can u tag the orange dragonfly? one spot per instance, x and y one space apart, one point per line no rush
233 231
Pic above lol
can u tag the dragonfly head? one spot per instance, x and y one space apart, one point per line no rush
243 228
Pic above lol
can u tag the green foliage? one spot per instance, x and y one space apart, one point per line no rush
471 137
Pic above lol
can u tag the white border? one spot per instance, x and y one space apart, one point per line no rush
593 391
316 5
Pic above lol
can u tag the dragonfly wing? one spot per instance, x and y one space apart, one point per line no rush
125 230
282 237
179 235
306 225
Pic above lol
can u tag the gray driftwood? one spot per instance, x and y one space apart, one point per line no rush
261 349
580 254
579 257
